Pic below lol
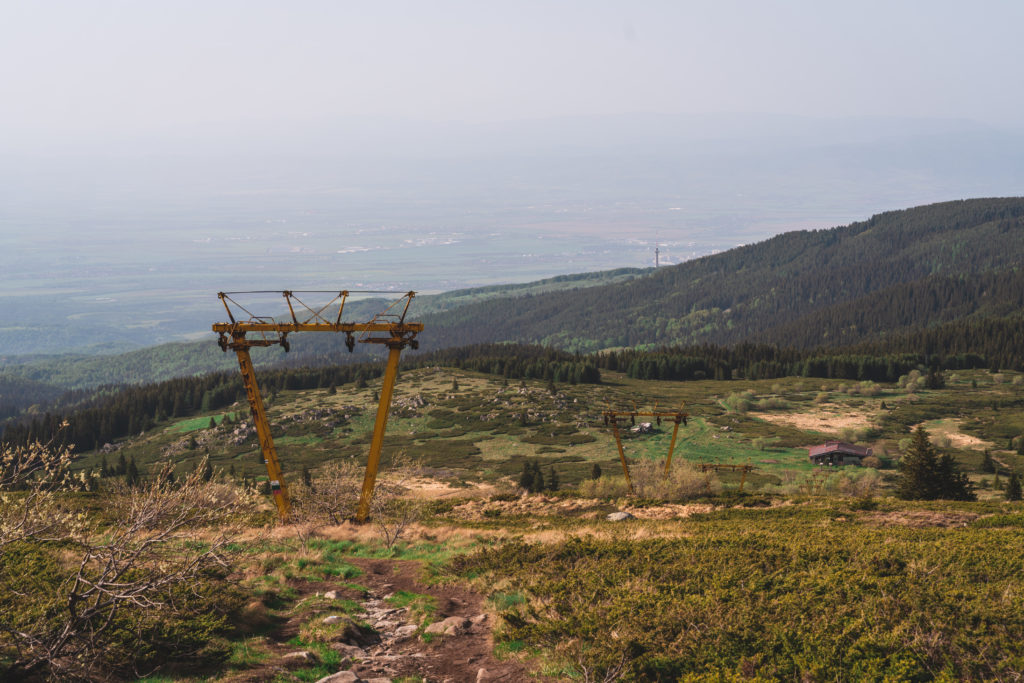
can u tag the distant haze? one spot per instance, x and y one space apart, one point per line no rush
152 153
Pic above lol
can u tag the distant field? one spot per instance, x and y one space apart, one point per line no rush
484 429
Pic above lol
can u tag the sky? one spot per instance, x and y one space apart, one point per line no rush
77 73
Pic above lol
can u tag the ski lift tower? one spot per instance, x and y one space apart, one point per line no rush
388 328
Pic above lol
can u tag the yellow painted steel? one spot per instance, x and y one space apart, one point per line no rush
611 417
672 446
383 407
259 416
385 328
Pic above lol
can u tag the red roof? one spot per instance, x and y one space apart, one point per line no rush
838 447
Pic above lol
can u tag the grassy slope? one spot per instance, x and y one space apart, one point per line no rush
484 431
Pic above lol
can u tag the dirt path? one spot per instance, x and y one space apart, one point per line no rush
394 649
465 656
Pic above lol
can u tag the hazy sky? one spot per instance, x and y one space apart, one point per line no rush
78 70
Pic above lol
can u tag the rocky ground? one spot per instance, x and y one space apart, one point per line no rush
456 647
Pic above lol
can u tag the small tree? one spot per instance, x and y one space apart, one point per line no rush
595 471
212 424
526 477
538 478
1013 488
987 463
927 475
552 479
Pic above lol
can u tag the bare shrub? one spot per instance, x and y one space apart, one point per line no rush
822 397
330 498
861 485
105 588
31 478
683 481
392 510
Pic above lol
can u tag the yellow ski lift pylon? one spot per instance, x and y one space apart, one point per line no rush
387 327
612 417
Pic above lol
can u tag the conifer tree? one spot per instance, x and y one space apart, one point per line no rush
131 475
926 475
552 479
526 478
213 423
538 478
1013 487
987 463
595 471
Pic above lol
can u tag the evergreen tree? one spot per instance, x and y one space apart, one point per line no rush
595 471
925 475
192 443
987 463
122 466
526 478
307 478
104 468
131 475
455 384
207 470
231 471
538 478
552 479
1013 488
213 423
332 390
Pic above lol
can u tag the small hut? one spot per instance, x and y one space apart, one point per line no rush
837 453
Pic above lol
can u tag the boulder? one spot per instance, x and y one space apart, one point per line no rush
406 630
452 626
618 516
300 658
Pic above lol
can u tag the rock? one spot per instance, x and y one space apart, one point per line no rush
301 658
482 675
405 631
348 631
378 680
331 595
478 619
618 516
385 625
451 626
341 677
351 651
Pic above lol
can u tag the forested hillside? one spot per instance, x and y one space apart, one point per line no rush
900 270
944 273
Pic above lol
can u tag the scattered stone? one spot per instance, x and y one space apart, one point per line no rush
405 631
331 595
478 619
300 658
618 516
451 626
341 677
482 675
378 680
351 651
